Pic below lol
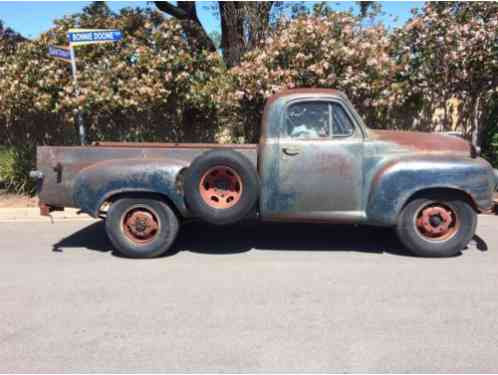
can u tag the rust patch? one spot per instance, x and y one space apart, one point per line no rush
174 145
221 187
140 225
437 222
45 209
334 165
302 91
429 142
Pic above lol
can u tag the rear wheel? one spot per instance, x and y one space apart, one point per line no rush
141 227
437 225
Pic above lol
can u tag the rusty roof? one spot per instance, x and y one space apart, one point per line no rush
307 90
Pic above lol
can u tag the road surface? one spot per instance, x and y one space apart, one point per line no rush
250 297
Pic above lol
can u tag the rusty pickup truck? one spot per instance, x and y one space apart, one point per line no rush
316 162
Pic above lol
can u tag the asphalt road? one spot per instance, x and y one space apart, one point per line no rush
250 297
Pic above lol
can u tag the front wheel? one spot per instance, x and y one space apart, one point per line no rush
141 227
437 225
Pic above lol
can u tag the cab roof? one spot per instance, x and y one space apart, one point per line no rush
304 91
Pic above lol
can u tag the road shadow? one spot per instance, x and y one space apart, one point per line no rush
203 238
208 239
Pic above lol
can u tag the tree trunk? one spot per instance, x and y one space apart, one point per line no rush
232 32
476 133
243 26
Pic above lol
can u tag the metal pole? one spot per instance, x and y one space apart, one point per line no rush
79 117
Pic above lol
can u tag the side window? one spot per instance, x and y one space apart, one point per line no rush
341 123
308 120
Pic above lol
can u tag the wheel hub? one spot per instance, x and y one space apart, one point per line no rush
140 225
436 221
221 187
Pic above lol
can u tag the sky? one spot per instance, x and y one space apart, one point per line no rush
33 17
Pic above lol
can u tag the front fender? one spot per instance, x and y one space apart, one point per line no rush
396 181
96 183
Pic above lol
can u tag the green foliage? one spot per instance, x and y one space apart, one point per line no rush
490 142
15 165
490 153
4 153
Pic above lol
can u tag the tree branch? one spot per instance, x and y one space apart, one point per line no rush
185 12
166 7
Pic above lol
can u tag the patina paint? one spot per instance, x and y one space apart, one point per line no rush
418 141
72 174
315 188
367 177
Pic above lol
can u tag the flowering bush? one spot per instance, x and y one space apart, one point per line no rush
449 56
444 59
319 51
153 85
148 87
142 88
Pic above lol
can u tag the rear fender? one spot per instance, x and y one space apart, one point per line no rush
396 181
100 181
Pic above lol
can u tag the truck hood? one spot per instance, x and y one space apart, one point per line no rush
424 142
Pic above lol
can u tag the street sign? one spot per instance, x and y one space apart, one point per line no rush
78 37
62 53
90 36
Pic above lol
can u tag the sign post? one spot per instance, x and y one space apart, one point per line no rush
78 37
79 117
67 55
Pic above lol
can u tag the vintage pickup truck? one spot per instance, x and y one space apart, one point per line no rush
316 162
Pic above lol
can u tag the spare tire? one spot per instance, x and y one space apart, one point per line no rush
221 186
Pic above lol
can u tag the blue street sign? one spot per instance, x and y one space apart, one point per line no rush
60 53
90 36
79 37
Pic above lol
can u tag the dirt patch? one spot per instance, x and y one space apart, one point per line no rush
8 200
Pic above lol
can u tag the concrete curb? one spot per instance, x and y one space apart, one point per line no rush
33 214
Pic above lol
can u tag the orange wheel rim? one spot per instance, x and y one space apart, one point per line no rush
221 187
140 225
436 222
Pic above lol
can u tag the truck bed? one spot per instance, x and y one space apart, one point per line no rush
60 164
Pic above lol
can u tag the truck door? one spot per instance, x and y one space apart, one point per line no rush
320 164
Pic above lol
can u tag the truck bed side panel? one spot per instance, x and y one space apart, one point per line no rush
61 165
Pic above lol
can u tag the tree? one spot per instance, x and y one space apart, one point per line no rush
9 39
328 50
450 52
243 26
186 13
364 6
97 9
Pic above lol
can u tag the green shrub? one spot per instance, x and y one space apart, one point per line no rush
15 165
490 139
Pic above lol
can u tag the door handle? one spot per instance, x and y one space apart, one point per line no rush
291 151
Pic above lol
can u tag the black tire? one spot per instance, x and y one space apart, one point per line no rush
449 243
134 246
247 198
